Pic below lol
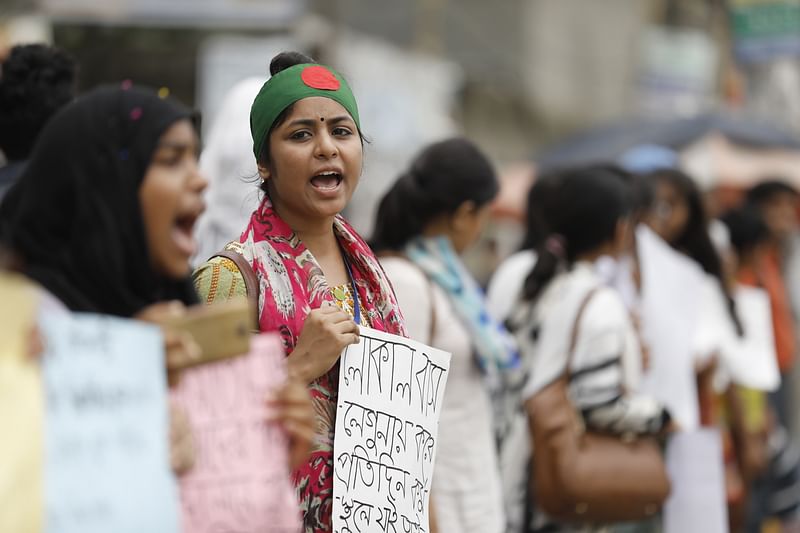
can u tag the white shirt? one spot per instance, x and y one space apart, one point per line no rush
506 284
607 358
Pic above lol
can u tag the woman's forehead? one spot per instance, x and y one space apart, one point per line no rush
181 132
318 107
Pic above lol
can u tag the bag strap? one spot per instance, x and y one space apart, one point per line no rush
243 265
573 340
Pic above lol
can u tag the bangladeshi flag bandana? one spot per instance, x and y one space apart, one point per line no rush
293 84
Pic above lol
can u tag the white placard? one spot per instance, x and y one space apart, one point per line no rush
697 502
390 397
752 361
671 289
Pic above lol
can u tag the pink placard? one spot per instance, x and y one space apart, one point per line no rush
240 482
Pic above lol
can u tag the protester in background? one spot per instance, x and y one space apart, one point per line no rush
772 465
587 214
506 287
432 214
318 280
777 203
227 161
680 218
35 82
112 232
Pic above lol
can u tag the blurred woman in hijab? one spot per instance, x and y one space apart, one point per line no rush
102 216
102 219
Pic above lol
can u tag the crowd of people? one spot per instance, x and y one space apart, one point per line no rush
104 208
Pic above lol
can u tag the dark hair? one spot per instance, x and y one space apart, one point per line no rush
642 192
281 62
695 240
747 228
583 208
767 190
441 178
36 81
536 229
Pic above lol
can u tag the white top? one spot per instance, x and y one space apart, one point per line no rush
607 361
466 481
508 280
506 284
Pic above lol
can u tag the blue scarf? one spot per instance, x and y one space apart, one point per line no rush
494 348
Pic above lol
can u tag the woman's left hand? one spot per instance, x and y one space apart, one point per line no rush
292 408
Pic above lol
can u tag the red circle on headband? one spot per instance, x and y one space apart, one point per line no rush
318 77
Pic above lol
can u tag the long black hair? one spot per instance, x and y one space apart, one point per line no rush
37 81
583 209
74 217
695 240
536 229
440 179
747 229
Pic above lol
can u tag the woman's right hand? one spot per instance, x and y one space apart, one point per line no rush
326 332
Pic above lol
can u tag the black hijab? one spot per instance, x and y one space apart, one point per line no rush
74 217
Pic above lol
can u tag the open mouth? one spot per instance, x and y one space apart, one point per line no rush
183 233
326 181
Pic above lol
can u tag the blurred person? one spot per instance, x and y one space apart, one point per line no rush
777 203
432 214
112 232
588 213
505 289
680 218
35 81
773 465
318 279
228 164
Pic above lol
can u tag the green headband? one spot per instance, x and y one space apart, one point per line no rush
293 84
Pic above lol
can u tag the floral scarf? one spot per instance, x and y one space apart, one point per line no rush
291 284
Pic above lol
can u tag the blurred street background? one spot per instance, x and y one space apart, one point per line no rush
533 82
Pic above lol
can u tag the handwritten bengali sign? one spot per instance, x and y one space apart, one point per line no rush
106 427
240 481
390 398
